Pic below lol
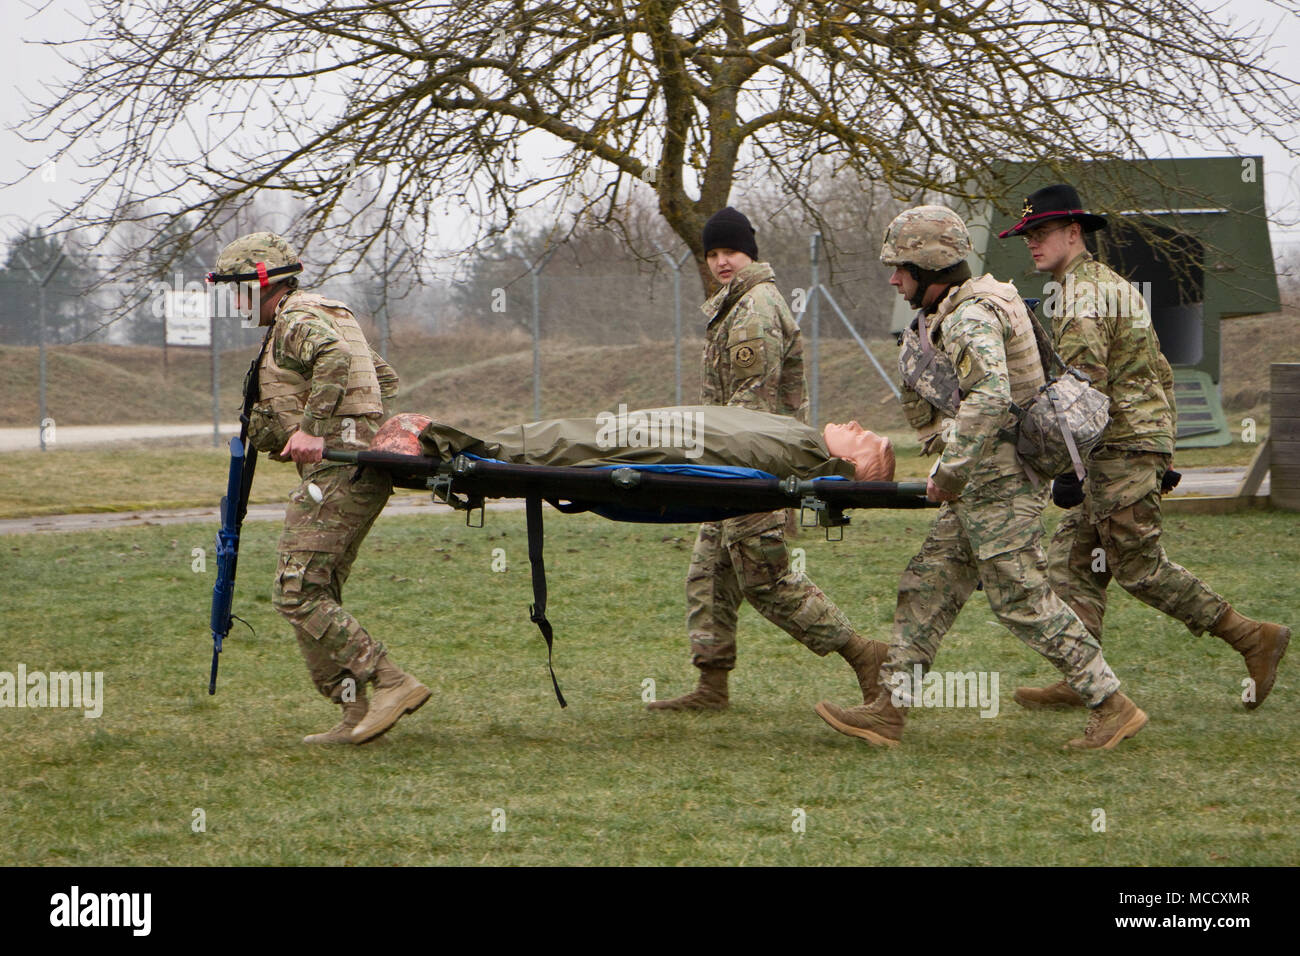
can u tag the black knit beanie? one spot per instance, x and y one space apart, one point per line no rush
729 229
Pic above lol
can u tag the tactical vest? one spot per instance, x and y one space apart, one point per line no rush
1024 364
929 371
284 392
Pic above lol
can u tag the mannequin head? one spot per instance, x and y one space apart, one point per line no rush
872 455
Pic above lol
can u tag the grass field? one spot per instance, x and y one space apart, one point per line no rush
604 781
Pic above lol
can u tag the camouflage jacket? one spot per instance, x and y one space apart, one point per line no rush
974 336
1101 326
307 341
753 352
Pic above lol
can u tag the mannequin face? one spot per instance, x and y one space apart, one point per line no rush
725 263
872 455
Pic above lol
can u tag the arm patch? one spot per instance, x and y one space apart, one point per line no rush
970 369
748 355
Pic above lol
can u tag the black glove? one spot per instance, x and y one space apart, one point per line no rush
1169 481
1067 490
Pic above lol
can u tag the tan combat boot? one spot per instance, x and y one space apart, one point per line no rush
1060 696
341 733
711 694
396 694
1114 719
1260 642
865 657
879 723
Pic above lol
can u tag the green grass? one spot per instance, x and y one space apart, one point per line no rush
604 781
129 476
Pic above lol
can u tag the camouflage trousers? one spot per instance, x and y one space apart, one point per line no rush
1125 544
746 558
317 547
992 534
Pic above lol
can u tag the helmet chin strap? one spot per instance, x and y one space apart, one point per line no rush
955 274
922 287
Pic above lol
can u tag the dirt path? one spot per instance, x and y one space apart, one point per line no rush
29 439
400 504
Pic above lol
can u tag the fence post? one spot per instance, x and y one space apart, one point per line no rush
884 376
40 313
814 376
536 271
214 328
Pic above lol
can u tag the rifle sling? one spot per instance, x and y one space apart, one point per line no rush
252 393
1044 342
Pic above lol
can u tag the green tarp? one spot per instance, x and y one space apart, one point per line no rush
681 434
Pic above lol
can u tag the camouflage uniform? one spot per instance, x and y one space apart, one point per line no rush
1101 325
992 532
318 374
753 358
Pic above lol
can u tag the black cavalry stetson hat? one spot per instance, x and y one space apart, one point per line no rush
1054 202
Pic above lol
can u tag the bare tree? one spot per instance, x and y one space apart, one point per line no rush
441 102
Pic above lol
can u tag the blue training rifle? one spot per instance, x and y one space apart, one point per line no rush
234 505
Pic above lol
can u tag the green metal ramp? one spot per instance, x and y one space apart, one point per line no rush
1200 414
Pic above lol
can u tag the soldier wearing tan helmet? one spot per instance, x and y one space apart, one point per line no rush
970 353
320 383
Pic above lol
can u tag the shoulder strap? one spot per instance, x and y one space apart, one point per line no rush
252 393
253 385
1070 444
927 349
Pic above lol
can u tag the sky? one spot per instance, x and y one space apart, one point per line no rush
27 64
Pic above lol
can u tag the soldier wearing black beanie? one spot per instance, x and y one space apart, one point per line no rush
753 358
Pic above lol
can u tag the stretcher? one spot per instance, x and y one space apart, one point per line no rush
655 493
661 493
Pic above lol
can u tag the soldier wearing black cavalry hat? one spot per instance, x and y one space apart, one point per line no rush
1101 325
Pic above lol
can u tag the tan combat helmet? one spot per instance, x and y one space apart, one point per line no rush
928 237
260 257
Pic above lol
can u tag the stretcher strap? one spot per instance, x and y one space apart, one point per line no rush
537 610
